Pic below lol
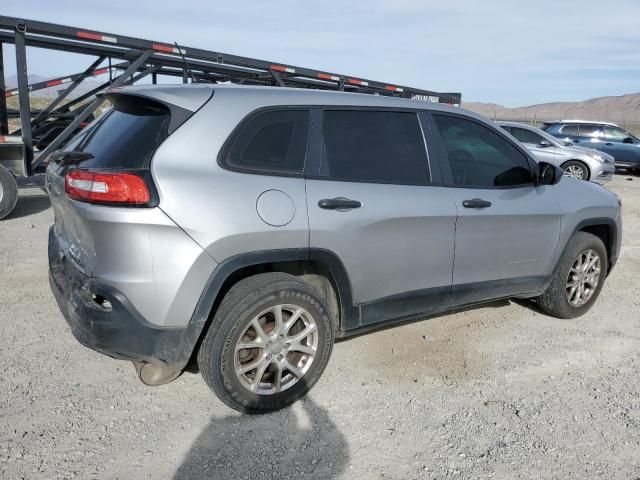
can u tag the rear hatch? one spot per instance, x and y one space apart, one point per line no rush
85 178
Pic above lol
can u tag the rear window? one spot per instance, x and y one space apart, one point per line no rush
126 136
273 142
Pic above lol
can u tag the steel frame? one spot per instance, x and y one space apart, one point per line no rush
143 57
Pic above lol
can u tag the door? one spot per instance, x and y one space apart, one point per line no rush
621 145
543 150
373 203
508 228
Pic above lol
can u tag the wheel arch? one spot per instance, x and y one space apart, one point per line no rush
322 269
605 230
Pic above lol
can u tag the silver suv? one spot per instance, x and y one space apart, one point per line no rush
578 162
240 230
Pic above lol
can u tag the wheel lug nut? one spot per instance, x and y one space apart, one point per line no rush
269 356
287 345
280 357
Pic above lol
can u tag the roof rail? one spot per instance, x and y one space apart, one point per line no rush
595 122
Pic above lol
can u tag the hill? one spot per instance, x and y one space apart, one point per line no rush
620 109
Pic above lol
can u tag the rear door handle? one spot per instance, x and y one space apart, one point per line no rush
338 203
476 203
609 144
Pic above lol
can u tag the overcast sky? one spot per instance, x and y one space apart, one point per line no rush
512 52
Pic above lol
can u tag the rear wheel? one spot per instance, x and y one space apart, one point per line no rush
269 343
8 192
576 169
579 278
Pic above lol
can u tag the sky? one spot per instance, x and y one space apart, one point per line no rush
510 52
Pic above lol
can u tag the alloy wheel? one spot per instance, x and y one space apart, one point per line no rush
583 278
276 349
574 171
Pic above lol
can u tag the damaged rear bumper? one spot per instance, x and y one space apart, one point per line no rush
102 318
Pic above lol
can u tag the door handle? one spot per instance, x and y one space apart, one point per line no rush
476 203
338 203
608 144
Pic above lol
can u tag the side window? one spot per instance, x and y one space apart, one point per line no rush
570 130
526 136
373 146
591 131
272 141
615 134
479 157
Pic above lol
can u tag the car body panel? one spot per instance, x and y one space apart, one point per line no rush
513 238
397 222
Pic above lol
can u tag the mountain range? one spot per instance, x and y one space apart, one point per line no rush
619 109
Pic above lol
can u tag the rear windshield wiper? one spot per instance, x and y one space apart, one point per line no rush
64 157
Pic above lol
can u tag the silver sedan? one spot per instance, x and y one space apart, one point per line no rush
577 162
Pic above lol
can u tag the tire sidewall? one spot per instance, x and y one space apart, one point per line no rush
234 325
10 192
579 245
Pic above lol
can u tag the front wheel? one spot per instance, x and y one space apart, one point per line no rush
269 343
576 169
578 279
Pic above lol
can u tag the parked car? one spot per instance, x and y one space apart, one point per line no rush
240 230
577 162
607 137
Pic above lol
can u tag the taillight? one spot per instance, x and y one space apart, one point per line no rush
102 187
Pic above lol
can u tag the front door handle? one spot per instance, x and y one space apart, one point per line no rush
476 203
609 144
339 203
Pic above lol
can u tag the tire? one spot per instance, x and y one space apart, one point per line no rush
554 301
8 192
258 298
572 167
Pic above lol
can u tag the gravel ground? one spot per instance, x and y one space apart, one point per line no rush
495 392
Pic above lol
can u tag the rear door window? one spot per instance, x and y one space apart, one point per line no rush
570 130
125 137
271 142
526 136
593 131
373 146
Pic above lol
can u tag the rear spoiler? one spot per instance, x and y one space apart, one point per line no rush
181 106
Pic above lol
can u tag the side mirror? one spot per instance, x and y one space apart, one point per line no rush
549 174
544 144
628 140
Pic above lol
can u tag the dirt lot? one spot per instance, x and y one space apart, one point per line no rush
496 392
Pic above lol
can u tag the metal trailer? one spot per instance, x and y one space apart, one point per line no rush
42 131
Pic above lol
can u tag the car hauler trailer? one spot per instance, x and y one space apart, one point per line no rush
42 131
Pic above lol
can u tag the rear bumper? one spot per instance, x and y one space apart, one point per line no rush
101 318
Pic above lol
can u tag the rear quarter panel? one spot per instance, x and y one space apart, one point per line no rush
217 207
